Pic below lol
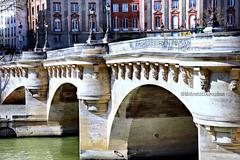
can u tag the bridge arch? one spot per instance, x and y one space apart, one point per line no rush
64 109
14 96
149 117
6 132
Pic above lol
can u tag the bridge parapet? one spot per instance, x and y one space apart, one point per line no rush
176 44
77 50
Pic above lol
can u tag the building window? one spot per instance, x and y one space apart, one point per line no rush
135 24
134 7
32 10
38 9
57 25
230 20
125 7
75 38
115 24
192 22
75 24
115 8
174 4
192 3
157 5
74 7
231 2
125 24
56 7
92 5
174 22
157 22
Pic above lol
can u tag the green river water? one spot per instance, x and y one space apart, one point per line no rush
62 148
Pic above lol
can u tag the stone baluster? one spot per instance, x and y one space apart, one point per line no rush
137 70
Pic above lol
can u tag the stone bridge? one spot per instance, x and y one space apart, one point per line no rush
144 97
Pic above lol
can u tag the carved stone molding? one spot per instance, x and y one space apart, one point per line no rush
155 70
228 138
234 84
59 72
122 70
24 72
79 71
115 71
130 70
54 70
13 72
204 79
164 71
187 75
137 70
174 72
63 71
146 70
235 79
71 71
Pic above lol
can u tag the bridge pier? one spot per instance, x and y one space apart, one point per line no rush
218 143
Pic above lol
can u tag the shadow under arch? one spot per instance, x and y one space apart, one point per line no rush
6 132
64 110
17 96
152 121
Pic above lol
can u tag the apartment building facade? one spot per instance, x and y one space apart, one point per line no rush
155 15
13 24
68 20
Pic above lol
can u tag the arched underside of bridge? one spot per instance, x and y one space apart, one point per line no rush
151 121
6 132
64 110
16 97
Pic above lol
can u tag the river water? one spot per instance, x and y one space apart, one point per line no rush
60 148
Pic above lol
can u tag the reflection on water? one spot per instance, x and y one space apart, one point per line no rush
64 148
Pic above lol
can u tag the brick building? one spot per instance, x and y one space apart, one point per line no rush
125 15
154 15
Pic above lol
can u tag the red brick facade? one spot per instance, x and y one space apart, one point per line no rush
129 18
